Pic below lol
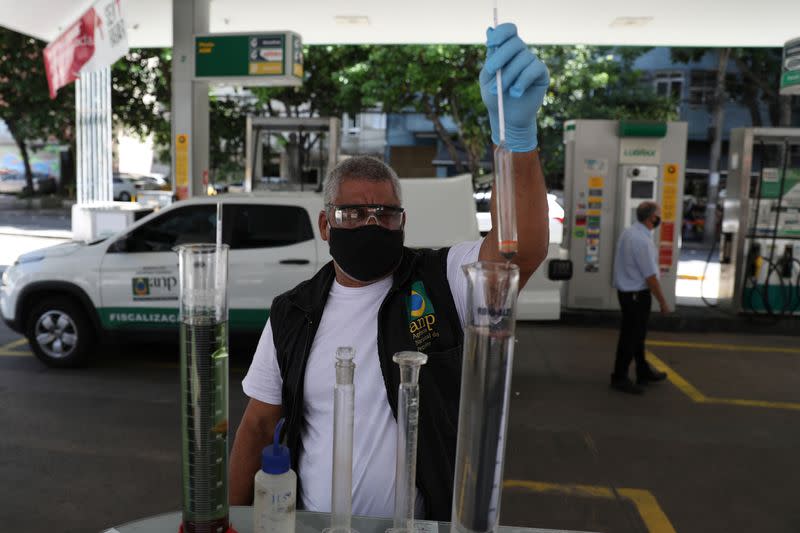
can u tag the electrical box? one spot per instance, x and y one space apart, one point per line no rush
103 219
760 241
610 168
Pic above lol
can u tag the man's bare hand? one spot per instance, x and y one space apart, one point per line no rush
665 310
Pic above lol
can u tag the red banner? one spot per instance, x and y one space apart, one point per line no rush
65 56
94 41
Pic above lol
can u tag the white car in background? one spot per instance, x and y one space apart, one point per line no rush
541 297
64 297
124 190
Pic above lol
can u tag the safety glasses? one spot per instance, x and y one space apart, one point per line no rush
353 216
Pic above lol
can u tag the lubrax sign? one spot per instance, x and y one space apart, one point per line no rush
638 151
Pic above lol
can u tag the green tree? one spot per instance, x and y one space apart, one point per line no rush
757 81
333 84
592 82
25 104
442 81
227 140
141 98
438 81
140 94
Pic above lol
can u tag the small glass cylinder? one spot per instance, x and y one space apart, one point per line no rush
343 412
485 388
505 202
405 491
203 272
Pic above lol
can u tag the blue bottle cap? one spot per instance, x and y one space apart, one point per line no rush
275 458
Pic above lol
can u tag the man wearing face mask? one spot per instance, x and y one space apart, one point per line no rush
380 298
636 279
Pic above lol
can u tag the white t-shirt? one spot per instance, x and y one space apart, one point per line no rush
350 318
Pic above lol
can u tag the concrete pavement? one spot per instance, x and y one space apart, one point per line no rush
86 449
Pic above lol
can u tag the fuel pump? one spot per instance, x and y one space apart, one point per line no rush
761 222
612 167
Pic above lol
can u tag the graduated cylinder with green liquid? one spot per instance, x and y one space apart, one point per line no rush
203 272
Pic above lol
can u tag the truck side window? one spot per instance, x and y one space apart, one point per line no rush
191 224
268 226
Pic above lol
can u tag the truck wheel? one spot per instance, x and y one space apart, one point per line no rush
124 197
59 333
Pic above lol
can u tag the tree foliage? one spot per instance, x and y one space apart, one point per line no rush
25 104
438 81
592 82
140 94
333 84
757 82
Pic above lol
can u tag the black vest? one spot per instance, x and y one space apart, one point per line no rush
417 314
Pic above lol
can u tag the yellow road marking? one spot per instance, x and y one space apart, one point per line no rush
728 347
698 397
792 406
591 491
676 379
646 504
13 344
692 278
9 351
653 516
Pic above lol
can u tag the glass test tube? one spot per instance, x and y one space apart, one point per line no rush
343 406
505 201
485 388
203 272
405 491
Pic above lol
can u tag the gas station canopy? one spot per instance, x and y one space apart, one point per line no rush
611 22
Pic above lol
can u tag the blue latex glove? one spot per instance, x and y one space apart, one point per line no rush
525 82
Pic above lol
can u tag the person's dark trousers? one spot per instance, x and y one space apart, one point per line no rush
635 314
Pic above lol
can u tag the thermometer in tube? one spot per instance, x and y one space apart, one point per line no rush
505 200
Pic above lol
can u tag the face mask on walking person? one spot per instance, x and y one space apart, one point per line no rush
656 222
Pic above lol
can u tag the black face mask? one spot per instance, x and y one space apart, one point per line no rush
366 253
656 222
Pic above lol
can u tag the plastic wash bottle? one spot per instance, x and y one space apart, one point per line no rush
275 490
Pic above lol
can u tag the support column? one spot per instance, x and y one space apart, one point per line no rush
189 110
93 175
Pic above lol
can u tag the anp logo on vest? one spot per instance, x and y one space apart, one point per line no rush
421 316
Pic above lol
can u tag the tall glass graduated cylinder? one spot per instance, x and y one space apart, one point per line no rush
407 430
203 271
485 387
343 415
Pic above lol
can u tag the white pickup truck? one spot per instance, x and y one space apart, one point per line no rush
62 298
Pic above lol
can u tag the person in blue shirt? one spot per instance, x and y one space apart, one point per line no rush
636 281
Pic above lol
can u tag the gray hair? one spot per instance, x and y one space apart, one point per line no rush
359 167
645 210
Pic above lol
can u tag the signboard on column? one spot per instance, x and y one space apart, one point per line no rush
669 208
790 79
251 59
182 166
96 40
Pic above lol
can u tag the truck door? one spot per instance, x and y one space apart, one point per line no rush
272 250
139 272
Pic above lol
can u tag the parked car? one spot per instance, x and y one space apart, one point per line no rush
151 183
124 189
555 209
62 298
